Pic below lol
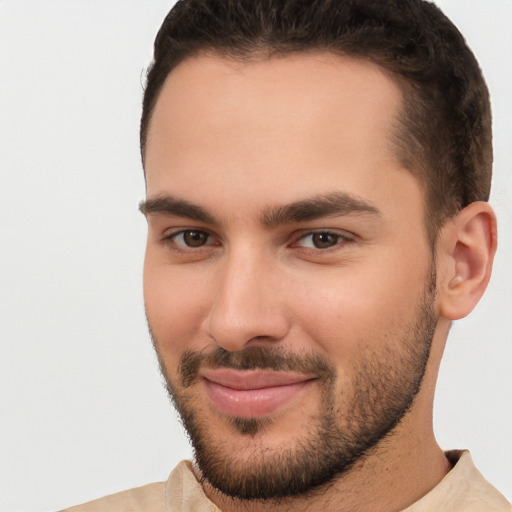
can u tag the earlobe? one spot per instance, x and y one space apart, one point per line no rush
465 253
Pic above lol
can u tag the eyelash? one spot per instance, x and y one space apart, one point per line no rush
170 241
341 239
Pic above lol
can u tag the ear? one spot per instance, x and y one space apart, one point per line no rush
465 253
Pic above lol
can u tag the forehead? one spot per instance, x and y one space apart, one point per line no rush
321 76
221 93
303 121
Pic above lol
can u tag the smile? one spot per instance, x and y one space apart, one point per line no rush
253 393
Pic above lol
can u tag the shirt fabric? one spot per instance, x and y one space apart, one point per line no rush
463 489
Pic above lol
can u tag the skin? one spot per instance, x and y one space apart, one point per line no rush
241 141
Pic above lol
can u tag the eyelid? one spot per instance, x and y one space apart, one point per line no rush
169 239
345 238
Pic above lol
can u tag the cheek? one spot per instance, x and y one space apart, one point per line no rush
346 310
176 303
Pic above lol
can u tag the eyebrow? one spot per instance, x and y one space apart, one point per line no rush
334 204
168 205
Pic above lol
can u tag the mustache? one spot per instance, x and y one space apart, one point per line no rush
254 358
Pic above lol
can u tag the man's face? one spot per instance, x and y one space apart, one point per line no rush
288 280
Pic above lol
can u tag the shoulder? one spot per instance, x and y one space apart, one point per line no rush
463 489
181 492
148 498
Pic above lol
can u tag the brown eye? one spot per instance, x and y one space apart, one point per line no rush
324 240
193 238
191 242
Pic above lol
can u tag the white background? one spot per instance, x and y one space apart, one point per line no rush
83 410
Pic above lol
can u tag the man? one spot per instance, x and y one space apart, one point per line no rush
317 181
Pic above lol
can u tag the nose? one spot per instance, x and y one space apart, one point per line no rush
248 304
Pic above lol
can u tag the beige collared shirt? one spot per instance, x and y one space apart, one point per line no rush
463 489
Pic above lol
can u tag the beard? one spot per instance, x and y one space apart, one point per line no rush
350 423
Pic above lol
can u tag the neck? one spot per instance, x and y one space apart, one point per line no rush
376 483
385 479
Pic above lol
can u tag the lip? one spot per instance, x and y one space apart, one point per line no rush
251 393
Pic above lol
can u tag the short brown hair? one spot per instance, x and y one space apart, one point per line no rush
443 132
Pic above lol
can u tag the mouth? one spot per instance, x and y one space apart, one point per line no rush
252 393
